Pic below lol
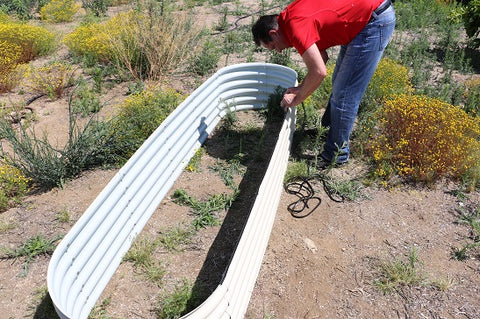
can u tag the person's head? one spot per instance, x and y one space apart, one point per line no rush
266 33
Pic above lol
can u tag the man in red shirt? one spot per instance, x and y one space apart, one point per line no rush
362 28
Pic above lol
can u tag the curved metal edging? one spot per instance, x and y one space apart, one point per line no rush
90 253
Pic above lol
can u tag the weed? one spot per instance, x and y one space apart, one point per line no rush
13 186
194 163
206 60
141 255
51 79
100 311
6 225
63 216
227 171
35 246
399 273
469 216
138 116
172 239
424 138
207 212
175 304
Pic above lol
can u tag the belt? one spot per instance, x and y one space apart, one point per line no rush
382 7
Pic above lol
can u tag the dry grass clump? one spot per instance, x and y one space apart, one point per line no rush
51 79
147 46
424 138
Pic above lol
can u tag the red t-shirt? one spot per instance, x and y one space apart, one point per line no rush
324 22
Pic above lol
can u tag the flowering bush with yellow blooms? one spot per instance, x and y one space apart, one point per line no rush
20 43
93 40
390 79
59 11
51 79
424 138
13 186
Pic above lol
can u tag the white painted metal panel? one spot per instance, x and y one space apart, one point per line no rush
88 256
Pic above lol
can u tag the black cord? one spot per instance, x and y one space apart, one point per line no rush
305 193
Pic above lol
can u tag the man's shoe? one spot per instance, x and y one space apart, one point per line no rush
323 164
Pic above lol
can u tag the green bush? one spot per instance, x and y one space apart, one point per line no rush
138 116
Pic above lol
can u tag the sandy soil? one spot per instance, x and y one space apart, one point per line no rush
321 266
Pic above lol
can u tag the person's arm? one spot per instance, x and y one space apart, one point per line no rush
315 61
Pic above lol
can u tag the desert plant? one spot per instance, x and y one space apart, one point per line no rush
139 115
394 275
47 166
390 79
206 212
175 304
424 138
98 7
51 79
205 60
59 11
33 247
30 41
13 186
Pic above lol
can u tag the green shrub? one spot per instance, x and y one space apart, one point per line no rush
471 20
59 11
424 138
139 115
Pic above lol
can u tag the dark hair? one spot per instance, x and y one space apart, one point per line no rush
261 28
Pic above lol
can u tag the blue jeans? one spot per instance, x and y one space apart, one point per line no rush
354 68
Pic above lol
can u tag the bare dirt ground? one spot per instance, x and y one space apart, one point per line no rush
321 266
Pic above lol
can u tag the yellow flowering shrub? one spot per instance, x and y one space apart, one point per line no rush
51 79
59 11
424 138
20 43
390 79
32 41
94 40
13 186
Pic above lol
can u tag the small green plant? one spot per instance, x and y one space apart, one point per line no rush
206 60
141 255
469 216
97 7
399 273
85 100
100 310
174 238
227 171
35 246
206 212
194 164
63 216
175 304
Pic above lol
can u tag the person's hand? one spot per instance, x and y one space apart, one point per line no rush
289 98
